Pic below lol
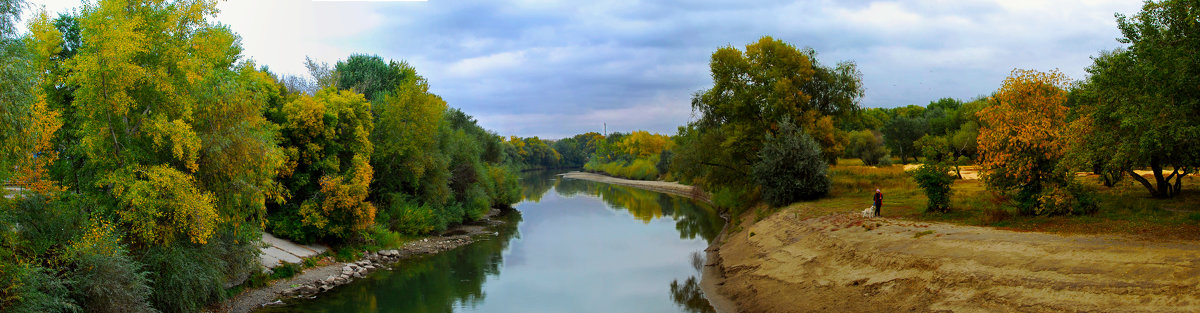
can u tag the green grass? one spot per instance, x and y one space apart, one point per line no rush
1125 209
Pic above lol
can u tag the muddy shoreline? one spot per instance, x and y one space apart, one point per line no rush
316 280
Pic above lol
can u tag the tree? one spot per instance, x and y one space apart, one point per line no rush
900 134
17 78
1022 138
325 138
1143 100
791 167
370 76
868 146
406 154
752 91
138 111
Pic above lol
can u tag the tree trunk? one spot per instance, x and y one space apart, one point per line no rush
1162 187
1145 183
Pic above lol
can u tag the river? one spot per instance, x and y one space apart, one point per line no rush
569 246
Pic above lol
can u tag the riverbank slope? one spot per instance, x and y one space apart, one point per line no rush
844 262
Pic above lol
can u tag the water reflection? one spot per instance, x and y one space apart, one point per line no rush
691 219
436 283
564 251
688 295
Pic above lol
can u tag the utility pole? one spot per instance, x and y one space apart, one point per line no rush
606 129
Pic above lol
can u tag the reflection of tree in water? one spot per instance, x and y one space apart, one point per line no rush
534 184
691 219
437 283
688 295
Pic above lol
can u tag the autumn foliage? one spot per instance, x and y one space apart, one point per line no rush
1023 136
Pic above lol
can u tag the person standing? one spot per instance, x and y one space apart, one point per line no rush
878 201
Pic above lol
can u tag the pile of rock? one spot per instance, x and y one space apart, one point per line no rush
369 263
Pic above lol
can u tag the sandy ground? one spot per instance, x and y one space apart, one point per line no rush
652 185
834 264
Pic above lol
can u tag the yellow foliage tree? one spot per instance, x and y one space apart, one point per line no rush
160 204
643 144
38 152
1022 137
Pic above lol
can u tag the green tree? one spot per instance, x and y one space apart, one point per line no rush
754 89
325 139
901 133
17 82
867 145
1143 99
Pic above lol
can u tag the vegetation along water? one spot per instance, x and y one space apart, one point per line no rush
570 246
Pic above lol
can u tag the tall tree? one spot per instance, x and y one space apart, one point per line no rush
1022 138
1144 100
755 89
325 138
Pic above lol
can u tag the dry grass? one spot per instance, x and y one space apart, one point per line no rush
1125 209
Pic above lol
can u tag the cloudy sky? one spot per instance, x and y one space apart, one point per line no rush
554 68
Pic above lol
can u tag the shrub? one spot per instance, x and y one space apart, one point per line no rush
933 178
112 282
403 214
44 226
184 277
476 203
791 167
33 289
1073 198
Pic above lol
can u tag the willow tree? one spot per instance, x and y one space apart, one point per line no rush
1143 100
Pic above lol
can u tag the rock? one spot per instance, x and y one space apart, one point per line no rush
370 268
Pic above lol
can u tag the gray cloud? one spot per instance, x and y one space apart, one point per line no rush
555 68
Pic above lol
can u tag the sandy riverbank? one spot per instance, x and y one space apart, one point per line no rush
833 263
651 185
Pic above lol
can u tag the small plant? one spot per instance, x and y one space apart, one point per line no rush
933 178
286 270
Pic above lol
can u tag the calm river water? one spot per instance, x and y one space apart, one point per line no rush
570 246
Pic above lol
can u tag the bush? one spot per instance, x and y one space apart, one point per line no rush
112 282
1070 199
184 277
404 215
33 289
791 167
933 178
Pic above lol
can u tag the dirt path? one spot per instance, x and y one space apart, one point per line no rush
834 263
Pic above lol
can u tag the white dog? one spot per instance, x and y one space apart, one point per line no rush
869 212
